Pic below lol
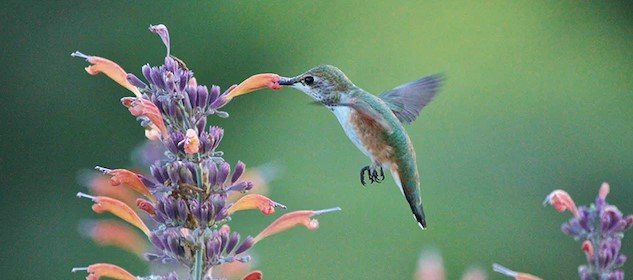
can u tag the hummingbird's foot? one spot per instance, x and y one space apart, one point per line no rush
369 175
374 174
378 177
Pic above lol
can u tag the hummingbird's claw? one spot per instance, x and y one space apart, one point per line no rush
375 175
362 175
382 174
372 174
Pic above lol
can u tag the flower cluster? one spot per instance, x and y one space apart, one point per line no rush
186 196
601 228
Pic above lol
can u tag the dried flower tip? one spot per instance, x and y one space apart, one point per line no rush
253 201
256 82
293 219
192 143
588 248
255 275
98 270
561 201
162 31
109 68
516 275
146 206
142 107
604 191
118 208
116 234
128 178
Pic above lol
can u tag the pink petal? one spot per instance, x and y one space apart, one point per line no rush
604 191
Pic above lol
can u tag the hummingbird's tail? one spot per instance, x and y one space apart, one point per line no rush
411 191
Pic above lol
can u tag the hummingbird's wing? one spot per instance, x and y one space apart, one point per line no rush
407 100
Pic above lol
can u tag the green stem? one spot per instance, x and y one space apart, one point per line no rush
198 266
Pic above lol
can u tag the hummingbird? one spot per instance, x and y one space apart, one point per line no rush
374 124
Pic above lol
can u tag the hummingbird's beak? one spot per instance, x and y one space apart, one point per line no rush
287 81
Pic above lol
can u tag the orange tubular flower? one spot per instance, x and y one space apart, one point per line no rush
100 185
256 82
143 107
253 201
109 68
128 178
561 201
98 270
293 219
118 208
116 234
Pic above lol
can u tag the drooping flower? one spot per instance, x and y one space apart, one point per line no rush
109 68
118 208
140 107
128 178
561 201
101 185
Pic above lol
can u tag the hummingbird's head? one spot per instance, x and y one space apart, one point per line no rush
325 84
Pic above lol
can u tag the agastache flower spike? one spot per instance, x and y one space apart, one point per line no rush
109 68
293 219
118 208
190 183
128 178
98 270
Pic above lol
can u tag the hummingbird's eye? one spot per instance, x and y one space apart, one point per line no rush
308 80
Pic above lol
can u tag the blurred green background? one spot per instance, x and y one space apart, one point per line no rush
539 96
